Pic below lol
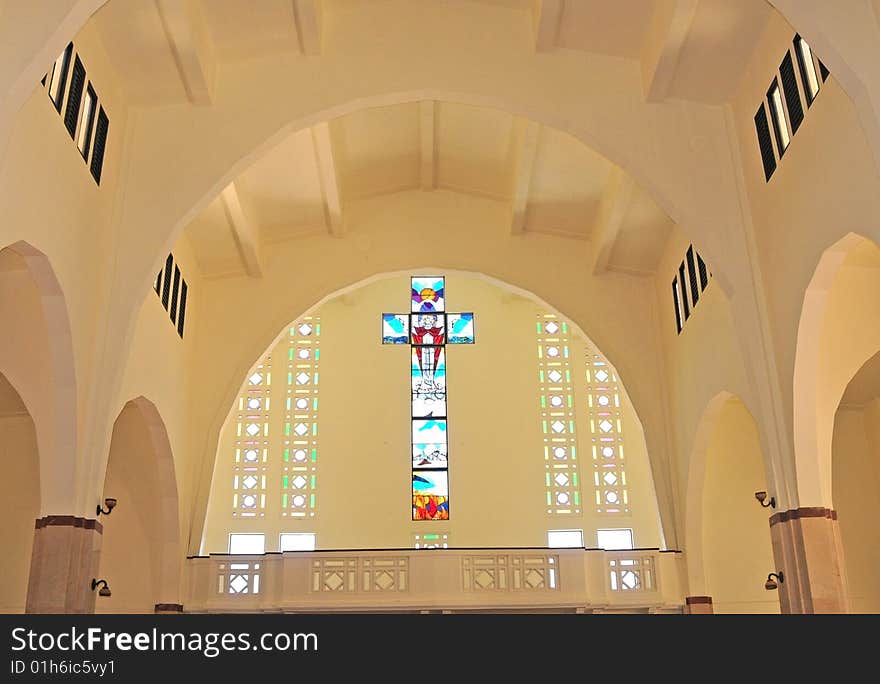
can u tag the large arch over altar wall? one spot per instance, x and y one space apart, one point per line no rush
356 372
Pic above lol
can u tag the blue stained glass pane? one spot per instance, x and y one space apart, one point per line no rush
395 329
460 328
431 482
429 444
428 293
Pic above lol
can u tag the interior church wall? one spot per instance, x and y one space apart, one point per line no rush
856 486
616 310
159 367
737 554
701 361
824 187
20 493
496 453
49 199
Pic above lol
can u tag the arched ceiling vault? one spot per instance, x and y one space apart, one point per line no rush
548 181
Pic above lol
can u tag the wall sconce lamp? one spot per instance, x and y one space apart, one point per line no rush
104 590
110 503
771 583
762 496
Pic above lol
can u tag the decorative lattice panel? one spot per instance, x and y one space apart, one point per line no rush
300 441
240 577
606 435
556 397
502 572
632 573
249 471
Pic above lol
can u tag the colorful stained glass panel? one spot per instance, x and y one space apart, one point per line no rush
428 293
430 507
460 328
395 329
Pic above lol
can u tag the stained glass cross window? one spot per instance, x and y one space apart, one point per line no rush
427 329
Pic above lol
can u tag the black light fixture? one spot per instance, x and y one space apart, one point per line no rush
772 583
762 496
110 503
104 590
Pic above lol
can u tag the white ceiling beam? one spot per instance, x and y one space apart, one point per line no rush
615 203
662 48
307 15
546 18
428 151
525 148
247 238
326 163
190 43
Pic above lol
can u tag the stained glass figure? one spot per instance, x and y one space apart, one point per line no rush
428 329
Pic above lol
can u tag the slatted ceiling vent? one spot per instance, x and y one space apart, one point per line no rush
792 93
793 83
171 289
691 280
88 132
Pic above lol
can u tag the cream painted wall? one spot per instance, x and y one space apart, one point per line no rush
496 456
20 493
467 233
701 362
856 478
824 187
736 535
49 199
159 368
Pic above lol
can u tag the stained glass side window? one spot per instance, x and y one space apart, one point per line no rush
249 470
300 439
606 435
556 397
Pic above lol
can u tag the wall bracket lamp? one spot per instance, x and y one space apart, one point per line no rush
762 496
104 590
772 583
110 503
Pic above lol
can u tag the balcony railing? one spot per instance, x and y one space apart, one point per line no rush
575 580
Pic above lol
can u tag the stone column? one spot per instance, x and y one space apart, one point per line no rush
698 605
64 561
808 551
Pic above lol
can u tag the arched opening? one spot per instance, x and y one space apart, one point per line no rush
20 492
501 485
729 552
141 556
839 331
36 356
856 484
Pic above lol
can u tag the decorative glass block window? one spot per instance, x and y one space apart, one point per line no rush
565 539
616 539
556 397
249 470
300 439
606 435
248 543
296 541
431 541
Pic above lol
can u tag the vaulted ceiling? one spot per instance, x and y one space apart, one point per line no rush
168 52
